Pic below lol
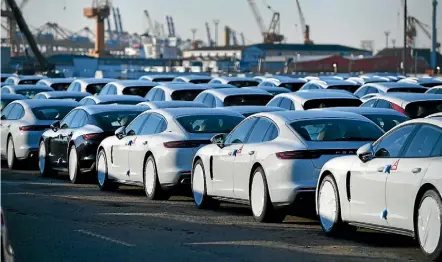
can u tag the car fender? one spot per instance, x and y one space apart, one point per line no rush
205 153
433 175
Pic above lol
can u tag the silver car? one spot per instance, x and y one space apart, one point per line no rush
27 90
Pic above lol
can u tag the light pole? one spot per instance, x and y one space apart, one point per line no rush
335 68
438 70
216 22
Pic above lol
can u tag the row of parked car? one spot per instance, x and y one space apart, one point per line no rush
366 164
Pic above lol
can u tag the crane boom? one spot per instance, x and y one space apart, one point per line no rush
120 23
243 40
109 28
149 21
257 16
305 28
209 37
117 31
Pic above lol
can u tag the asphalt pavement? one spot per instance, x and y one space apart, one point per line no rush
50 219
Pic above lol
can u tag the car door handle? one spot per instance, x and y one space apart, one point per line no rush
230 153
381 169
416 170
251 152
145 143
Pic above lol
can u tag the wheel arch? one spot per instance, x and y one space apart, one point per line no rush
320 179
252 170
195 159
146 156
424 188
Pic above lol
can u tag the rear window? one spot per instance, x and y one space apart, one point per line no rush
323 103
423 108
111 121
407 90
28 81
51 113
387 122
199 81
209 123
137 90
166 79
247 100
337 130
3 79
292 86
244 83
95 88
431 84
60 86
348 88
185 95
30 93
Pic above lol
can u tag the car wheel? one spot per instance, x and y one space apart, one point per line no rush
260 203
152 186
329 208
75 174
102 174
11 158
429 225
199 188
43 163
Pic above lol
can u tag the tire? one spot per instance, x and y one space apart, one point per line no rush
75 174
152 186
329 209
10 154
102 174
260 203
43 164
428 226
199 188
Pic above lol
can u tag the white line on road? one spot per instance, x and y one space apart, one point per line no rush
116 241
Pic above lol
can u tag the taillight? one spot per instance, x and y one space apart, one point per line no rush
91 136
33 128
313 154
186 143
399 109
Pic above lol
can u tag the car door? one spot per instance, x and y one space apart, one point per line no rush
120 151
223 160
368 180
57 143
402 185
5 124
68 134
263 131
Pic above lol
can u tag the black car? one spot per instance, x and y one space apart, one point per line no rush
71 144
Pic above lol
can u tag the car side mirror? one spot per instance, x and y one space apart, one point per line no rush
219 140
55 126
120 132
365 153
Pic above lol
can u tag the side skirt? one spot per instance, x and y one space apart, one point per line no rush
129 183
393 230
232 200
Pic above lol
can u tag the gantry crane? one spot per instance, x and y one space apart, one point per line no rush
271 35
11 28
100 10
150 23
305 28
209 36
412 31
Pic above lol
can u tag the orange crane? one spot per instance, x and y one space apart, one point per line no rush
100 10
271 35
305 28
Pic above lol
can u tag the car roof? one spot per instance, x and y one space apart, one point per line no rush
32 103
111 98
225 92
250 109
435 115
285 79
173 104
237 78
95 80
364 110
12 96
271 88
96 109
290 115
334 82
29 77
65 94
159 76
435 87
129 83
177 112
425 120
218 86
25 87
307 95
58 80
194 77
181 86
400 98
387 85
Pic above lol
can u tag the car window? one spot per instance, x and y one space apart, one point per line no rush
200 98
151 94
5 91
39 97
247 100
212 123
209 100
51 112
79 119
159 95
260 130
94 88
391 145
104 91
370 103
372 90
386 122
362 91
17 112
185 95
134 127
286 104
275 102
7 110
383 104
271 133
240 133
67 121
215 82
152 124
424 142
112 90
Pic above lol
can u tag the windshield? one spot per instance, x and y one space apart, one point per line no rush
349 88
335 102
243 83
337 130
407 90
185 95
247 100
111 121
51 113
137 90
28 81
423 108
30 93
95 88
292 86
60 86
209 123
387 122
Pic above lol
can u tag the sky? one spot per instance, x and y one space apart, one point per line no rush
344 22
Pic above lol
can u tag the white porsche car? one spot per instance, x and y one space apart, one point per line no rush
156 149
272 159
393 185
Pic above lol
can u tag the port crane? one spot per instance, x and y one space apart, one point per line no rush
272 35
210 42
305 27
412 22
99 11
